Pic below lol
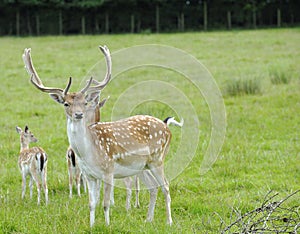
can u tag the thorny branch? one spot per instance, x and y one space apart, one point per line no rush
271 217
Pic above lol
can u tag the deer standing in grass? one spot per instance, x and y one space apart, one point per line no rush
109 150
74 172
93 116
32 162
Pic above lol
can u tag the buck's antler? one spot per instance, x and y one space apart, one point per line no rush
101 85
29 66
37 82
34 78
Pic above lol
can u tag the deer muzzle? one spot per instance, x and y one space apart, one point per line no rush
78 115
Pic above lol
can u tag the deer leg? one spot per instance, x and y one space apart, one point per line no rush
23 184
98 190
77 179
137 191
153 196
152 185
83 181
158 173
44 182
108 183
92 187
70 182
112 196
30 186
128 184
38 185
168 201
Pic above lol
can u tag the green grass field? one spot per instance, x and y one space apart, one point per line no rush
261 151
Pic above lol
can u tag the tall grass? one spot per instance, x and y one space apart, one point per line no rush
243 86
280 75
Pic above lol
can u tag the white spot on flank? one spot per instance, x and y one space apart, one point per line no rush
116 156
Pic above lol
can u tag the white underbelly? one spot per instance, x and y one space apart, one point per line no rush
121 171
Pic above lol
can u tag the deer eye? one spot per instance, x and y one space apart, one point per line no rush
86 103
66 104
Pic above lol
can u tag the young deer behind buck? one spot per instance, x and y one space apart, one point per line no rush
109 150
32 162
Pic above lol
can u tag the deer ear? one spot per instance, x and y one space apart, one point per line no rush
19 130
95 101
58 98
26 129
102 103
93 97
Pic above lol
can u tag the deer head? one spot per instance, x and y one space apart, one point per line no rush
78 103
26 137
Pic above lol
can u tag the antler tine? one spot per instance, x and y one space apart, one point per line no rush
100 85
29 66
36 81
46 89
68 86
87 85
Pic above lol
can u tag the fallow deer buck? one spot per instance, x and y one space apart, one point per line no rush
109 150
74 172
93 116
32 162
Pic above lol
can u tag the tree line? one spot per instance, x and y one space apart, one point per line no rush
63 17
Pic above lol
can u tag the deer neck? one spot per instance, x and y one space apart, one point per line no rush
80 137
82 140
24 145
76 130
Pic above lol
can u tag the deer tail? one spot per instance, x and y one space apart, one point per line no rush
171 120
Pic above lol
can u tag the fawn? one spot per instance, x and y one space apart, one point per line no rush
32 162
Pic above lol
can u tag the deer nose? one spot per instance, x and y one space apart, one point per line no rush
78 115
